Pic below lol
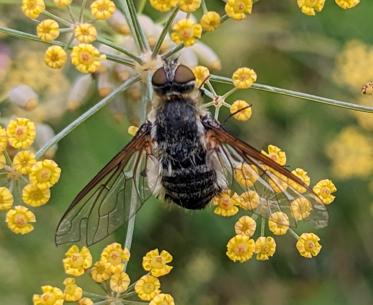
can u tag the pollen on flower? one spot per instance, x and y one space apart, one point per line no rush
119 282
101 271
189 6
55 57
324 189
265 247
238 9
148 287
86 58
300 208
226 204
34 196
50 296
276 154
21 133
156 263
249 200
33 8
6 199
303 176
19 220
77 260
308 245
72 292
244 78
163 5
44 174
48 30
201 73
240 248
23 161
163 299
210 21
241 110
311 7
115 255
102 9
186 31
85 32
347 4
278 223
246 225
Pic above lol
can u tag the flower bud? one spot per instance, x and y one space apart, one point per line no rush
24 97
79 92
119 23
104 84
43 134
207 56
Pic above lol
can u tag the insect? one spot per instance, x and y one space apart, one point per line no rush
184 156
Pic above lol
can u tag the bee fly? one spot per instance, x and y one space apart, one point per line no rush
184 156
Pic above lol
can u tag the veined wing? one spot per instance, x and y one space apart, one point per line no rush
102 205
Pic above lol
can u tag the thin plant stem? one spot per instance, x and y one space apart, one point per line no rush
71 14
101 302
86 115
141 6
57 18
297 94
120 49
128 302
94 295
173 51
82 8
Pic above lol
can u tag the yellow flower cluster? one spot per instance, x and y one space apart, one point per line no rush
109 271
23 172
311 7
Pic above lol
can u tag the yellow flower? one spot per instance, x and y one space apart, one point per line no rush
48 30
303 176
311 7
201 74
156 263
245 174
346 4
6 199
33 8
23 161
85 301
308 245
276 154
101 271
186 31
163 5
72 292
245 226
21 133
163 299
243 78
238 9
44 174
249 200
86 58
119 282
3 140
76 261
278 223
34 196
18 220
210 21
85 32
324 189
102 9
240 248
225 204
114 255
132 130
300 208
51 296
62 3
241 109
189 6
148 287
265 247
55 57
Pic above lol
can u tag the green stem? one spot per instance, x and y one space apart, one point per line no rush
94 295
173 51
69 128
141 6
118 48
57 18
301 95
165 31
82 8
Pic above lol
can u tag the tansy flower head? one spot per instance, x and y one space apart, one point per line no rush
51 296
86 58
115 255
33 8
23 161
19 220
44 174
246 225
186 31
241 110
249 200
101 271
324 189
24 97
311 7
210 21
6 199
163 5
225 204
201 74
308 245
300 208
265 247
3 140
77 260
119 282
34 196
102 9
62 3
85 32
156 263
276 154
243 78
238 9
303 176
148 287
245 174
72 292
347 4
163 299
48 30
21 133
278 223
189 6
240 248
55 57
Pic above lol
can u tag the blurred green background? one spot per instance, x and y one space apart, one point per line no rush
287 49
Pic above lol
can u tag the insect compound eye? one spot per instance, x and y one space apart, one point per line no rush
183 75
159 77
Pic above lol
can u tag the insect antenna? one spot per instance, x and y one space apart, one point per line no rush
234 113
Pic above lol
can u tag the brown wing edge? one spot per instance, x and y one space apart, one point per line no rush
138 142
